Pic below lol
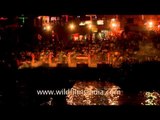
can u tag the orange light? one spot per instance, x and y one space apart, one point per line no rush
113 19
150 24
72 26
48 27
114 25
90 26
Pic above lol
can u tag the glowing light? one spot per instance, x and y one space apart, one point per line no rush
45 19
53 18
113 19
82 24
91 93
88 22
72 26
90 26
39 17
150 24
151 98
100 22
47 27
114 25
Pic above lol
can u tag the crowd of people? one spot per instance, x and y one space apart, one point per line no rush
131 47
114 49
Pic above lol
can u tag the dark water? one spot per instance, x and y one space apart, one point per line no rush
136 84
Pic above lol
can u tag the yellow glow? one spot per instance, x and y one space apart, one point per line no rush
81 23
85 93
150 24
100 22
88 22
151 98
113 19
72 26
90 26
114 25
47 27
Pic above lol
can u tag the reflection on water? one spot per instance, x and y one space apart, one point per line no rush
106 93
94 93
150 98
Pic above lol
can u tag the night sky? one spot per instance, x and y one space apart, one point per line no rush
80 7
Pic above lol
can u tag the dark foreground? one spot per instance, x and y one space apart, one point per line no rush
131 78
